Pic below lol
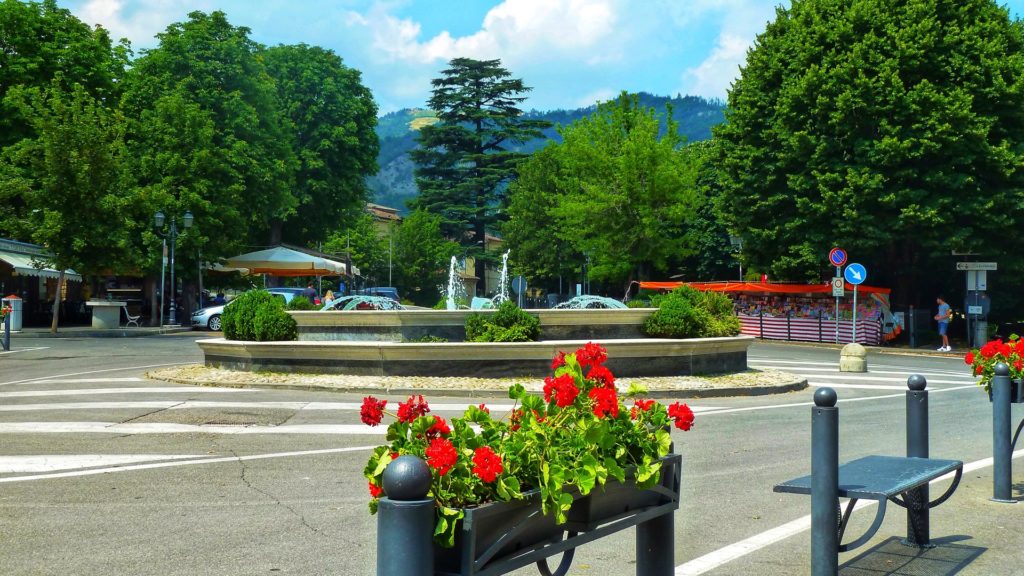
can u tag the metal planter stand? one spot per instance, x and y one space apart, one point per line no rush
500 537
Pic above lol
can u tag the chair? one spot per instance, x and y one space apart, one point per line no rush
131 319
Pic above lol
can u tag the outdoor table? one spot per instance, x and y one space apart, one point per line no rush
106 314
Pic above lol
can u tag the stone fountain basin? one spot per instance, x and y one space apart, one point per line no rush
630 357
411 325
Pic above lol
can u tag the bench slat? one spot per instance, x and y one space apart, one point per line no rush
878 477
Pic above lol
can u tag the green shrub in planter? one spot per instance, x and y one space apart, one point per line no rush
689 313
508 324
258 316
300 303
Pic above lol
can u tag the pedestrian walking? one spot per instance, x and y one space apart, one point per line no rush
943 317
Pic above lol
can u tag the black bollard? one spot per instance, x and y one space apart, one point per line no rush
918 520
824 484
405 520
1002 465
655 546
7 332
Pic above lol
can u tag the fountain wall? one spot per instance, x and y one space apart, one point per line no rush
413 325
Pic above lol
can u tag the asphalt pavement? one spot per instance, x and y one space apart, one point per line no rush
103 472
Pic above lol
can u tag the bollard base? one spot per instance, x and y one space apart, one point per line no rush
1001 501
910 544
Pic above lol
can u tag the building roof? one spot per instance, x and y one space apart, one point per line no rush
383 212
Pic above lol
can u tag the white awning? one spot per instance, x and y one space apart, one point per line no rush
25 265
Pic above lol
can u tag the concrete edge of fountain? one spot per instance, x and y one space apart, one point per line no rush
640 357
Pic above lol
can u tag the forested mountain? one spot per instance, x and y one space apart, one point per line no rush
394 184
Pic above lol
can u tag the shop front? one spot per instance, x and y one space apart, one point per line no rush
26 272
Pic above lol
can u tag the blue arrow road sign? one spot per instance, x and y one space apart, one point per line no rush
855 274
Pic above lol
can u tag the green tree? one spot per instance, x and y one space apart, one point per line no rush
421 256
72 180
331 117
209 137
366 245
624 191
463 163
892 128
539 248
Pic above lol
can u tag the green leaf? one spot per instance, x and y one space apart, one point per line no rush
664 440
614 470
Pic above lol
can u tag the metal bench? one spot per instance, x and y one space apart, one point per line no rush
131 319
901 480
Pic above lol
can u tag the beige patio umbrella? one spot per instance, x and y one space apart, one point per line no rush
281 261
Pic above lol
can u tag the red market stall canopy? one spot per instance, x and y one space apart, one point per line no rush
281 261
763 287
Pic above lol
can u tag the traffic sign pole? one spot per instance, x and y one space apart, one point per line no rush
839 274
854 312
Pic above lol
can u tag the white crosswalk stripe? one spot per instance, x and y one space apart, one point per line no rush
878 377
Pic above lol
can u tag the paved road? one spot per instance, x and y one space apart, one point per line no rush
105 472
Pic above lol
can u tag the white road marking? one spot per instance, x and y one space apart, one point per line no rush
842 400
859 386
49 463
884 379
24 350
795 362
92 391
126 369
727 554
87 380
212 460
926 373
194 404
172 428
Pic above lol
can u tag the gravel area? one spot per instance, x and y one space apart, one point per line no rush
748 383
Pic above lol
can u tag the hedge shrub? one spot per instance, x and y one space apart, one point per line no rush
689 313
300 303
508 324
258 316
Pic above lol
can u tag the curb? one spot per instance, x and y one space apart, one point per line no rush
114 333
735 391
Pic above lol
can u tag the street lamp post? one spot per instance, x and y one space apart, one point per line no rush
737 244
172 235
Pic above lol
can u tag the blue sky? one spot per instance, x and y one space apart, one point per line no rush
572 52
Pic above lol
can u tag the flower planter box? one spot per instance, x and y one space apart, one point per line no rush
502 536
1016 392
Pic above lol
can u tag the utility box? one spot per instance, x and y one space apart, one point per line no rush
17 307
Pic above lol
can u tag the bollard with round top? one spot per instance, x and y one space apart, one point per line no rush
824 483
1002 447
918 518
405 520
853 358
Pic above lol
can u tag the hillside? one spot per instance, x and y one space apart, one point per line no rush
394 183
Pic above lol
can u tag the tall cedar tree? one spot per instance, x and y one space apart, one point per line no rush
893 128
464 162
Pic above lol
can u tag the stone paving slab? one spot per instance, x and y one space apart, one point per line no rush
748 383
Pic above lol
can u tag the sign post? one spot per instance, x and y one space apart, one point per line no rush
855 274
837 257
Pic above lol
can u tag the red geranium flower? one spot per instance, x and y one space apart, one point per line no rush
969 358
415 407
441 455
486 464
514 419
591 354
440 428
602 375
641 406
564 389
1018 364
559 361
372 411
375 491
682 415
605 402
484 408
977 370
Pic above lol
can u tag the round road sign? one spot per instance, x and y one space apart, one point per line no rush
837 257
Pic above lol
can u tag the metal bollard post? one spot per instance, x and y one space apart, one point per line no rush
655 546
1002 465
405 520
918 520
7 332
824 484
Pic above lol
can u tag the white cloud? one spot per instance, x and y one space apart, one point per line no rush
142 21
741 21
515 30
599 95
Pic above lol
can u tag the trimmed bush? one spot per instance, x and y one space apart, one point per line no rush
300 303
258 316
689 313
508 324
